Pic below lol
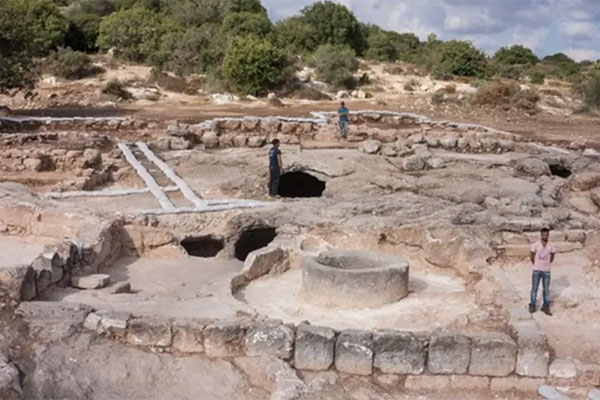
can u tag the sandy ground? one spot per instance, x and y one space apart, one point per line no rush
187 287
20 250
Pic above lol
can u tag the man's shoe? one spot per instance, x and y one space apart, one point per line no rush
531 308
546 310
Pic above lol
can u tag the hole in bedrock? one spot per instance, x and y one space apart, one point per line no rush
253 239
203 246
560 170
300 184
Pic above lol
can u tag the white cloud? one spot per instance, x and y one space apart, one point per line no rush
579 30
583 54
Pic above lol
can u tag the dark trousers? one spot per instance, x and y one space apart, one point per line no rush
274 175
535 283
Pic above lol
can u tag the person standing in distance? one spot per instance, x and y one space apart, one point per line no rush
542 257
275 168
343 115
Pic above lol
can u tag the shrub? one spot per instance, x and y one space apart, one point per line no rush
116 89
253 65
592 92
70 64
459 58
537 78
247 23
335 65
135 33
196 50
335 24
515 55
16 49
295 34
507 95
170 83
83 32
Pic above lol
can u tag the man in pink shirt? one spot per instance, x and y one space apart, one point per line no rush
542 257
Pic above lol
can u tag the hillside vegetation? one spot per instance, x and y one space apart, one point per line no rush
233 45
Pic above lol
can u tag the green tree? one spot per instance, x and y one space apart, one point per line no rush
514 55
407 46
135 33
70 64
195 50
252 65
83 32
247 23
48 24
335 24
460 58
16 47
295 34
381 47
189 13
591 92
335 65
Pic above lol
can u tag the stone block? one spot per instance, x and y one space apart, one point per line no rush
289 127
10 380
551 393
575 235
563 368
260 262
224 339
314 348
231 124
250 123
493 354
121 287
92 322
533 356
449 353
240 140
188 335
210 139
113 323
354 352
370 146
270 125
94 281
18 282
515 384
271 338
256 141
585 180
398 353
149 332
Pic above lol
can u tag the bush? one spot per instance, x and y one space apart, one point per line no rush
136 33
253 65
247 23
507 95
83 32
515 55
335 65
16 49
591 92
537 78
116 89
70 64
48 24
381 47
197 50
295 34
335 24
456 57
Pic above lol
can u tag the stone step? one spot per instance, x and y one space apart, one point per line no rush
316 145
522 250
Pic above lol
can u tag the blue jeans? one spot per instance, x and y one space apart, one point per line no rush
535 283
343 125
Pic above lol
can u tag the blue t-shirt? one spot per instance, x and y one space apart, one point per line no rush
273 153
343 113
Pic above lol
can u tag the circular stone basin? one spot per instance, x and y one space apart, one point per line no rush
357 279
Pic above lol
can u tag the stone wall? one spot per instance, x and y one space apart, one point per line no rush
316 348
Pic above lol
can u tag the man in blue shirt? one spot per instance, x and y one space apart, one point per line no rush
275 168
343 114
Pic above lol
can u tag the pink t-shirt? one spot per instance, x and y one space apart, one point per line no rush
542 256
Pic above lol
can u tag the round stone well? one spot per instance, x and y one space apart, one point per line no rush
354 279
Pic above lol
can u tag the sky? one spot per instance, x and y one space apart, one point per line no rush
546 26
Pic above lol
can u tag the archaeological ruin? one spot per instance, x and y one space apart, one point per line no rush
143 258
